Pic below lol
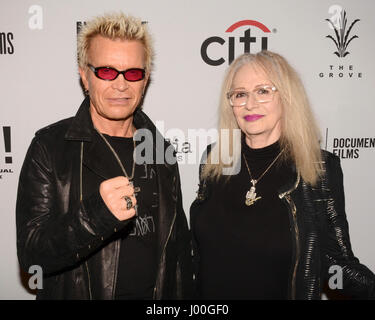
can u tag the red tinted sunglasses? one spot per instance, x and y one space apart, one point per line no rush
109 74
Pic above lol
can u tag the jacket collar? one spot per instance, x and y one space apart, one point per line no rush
81 128
292 184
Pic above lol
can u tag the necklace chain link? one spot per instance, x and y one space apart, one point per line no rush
255 181
118 158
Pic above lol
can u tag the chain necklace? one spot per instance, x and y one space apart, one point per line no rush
251 196
136 189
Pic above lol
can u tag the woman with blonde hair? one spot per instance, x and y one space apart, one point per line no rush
269 220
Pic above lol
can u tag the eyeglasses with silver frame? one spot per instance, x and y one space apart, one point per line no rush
261 94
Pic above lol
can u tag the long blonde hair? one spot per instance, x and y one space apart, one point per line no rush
300 134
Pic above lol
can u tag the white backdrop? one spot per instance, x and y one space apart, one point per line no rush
40 85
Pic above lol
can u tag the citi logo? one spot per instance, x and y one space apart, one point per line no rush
210 44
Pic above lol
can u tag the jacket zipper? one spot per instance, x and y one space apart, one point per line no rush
293 208
296 230
165 245
88 276
117 248
80 198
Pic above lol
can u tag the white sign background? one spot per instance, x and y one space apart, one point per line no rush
40 85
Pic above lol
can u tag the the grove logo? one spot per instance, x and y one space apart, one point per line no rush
338 23
343 36
247 39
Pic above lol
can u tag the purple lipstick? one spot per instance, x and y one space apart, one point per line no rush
253 117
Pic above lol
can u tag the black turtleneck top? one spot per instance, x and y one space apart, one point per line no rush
246 251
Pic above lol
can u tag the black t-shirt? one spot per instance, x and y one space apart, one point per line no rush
246 251
138 254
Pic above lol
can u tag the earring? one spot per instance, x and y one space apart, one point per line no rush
86 92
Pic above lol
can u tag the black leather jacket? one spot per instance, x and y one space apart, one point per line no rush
320 235
64 226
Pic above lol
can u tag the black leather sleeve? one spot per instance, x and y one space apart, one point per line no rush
358 280
48 234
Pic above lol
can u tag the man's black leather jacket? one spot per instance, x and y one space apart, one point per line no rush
320 235
64 226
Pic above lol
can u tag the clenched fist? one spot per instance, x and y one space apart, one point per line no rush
113 192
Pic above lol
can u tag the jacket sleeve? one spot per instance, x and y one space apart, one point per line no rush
48 235
357 280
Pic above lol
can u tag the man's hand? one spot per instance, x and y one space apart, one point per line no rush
113 192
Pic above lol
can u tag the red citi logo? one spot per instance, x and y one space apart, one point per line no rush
246 39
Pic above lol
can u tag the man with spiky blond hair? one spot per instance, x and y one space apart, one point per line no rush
99 223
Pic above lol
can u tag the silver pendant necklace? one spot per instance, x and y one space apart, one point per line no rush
251 195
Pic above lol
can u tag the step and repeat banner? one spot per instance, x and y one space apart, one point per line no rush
195 41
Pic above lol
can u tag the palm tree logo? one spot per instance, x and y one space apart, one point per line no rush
342 36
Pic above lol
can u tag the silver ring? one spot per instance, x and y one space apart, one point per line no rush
129 202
